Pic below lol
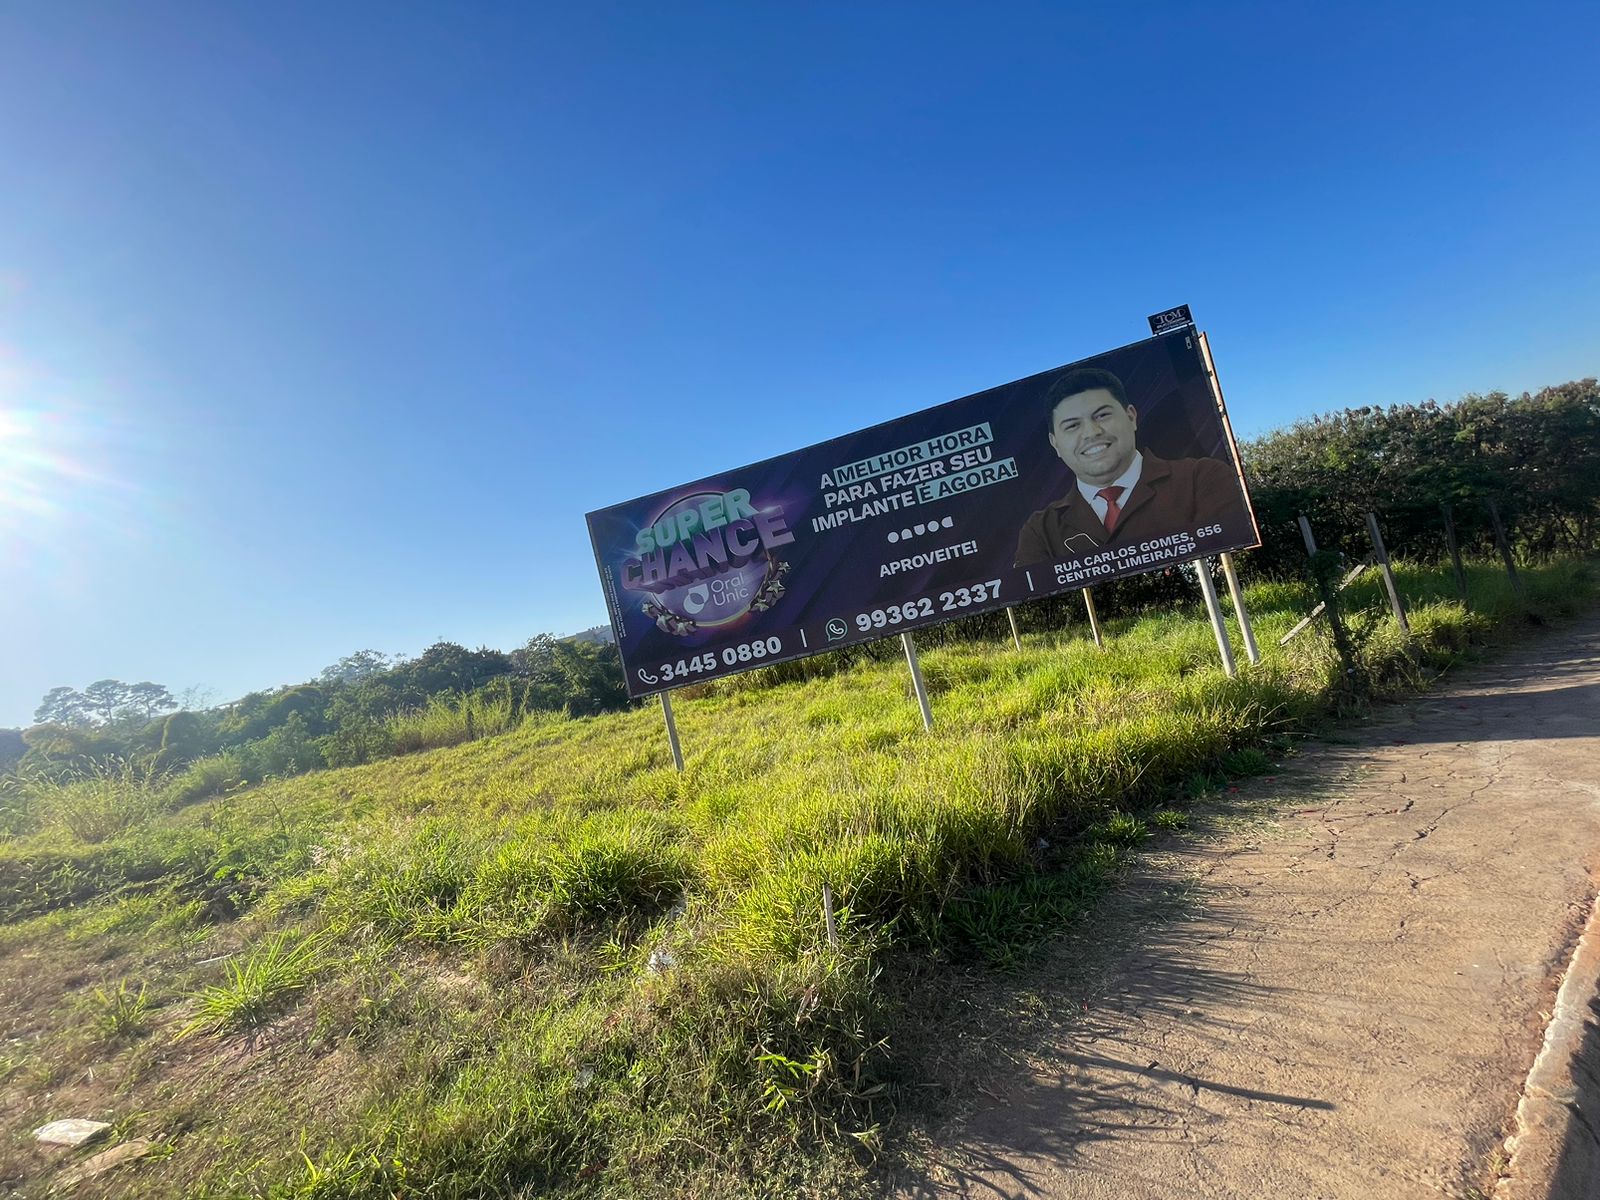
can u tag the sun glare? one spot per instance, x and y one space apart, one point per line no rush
30 472
41 471
60 476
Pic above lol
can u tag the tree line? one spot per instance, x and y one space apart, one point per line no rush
1536 455
345 716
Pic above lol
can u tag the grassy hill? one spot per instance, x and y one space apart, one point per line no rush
544 963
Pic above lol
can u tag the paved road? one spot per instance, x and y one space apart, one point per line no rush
1351 1004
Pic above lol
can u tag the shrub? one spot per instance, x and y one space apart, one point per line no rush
95 802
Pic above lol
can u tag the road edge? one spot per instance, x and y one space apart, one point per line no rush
1553 1151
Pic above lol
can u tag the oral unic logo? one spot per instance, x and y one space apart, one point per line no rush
706 561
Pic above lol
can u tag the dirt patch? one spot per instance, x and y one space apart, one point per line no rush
1334 988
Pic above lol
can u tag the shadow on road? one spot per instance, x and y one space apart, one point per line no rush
1577 1172
1135 955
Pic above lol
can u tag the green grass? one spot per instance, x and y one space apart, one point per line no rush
545 963
92 805
119 1011
257 986
451 720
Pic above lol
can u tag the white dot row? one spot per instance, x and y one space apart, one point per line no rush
921 528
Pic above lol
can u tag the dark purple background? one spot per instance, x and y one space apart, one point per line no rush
835 573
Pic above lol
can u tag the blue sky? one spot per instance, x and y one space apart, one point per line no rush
321 326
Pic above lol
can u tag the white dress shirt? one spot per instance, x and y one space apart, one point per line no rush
1125 481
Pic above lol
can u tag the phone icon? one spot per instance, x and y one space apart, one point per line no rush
837 629
647 677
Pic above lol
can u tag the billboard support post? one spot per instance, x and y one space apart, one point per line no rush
1455 556
916 680
672 732
1214 608
1016 637
828 917
1505 546
1094 620
1378 549
1236 594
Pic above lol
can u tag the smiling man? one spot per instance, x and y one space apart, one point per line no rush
1123 495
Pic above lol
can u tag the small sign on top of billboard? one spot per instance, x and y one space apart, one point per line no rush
1171 320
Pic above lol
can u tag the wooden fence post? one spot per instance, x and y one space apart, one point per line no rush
1455 556
1505 547
1382 557
1330 602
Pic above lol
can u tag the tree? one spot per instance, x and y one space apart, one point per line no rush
447 667
353 668
74 745
1537 456
12 748
104 697
288 750
582 677
185 736
148 699
62 706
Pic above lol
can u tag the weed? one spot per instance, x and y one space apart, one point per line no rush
1246 762
257 987
207 777
120 1011
1005 924
1171 819
1121 829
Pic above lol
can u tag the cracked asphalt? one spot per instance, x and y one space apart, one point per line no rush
1349 1001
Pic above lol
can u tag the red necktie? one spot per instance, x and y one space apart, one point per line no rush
1110 495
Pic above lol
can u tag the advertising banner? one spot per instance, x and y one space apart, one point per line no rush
1112 466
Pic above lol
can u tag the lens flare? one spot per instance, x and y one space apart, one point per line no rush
38 473
59 476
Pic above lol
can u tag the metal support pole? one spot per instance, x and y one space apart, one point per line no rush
916 680
1094 619
1236 594
672 731
1382 554
1214 607
827 915
1455 555
1505 546
1016 637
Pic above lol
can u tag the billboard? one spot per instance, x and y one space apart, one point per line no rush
1115 465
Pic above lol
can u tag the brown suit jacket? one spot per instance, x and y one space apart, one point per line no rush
1172 496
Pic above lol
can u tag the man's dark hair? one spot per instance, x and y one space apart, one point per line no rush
1088 379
